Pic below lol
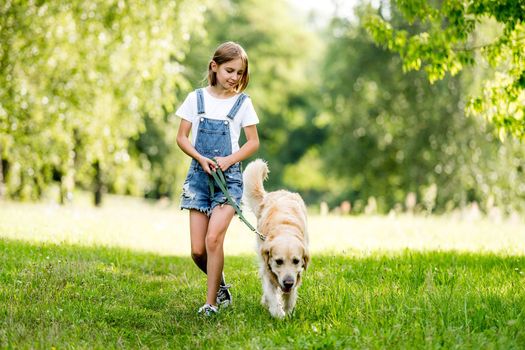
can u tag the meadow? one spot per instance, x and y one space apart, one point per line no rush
120 276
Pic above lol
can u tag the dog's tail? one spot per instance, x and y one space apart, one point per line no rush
254 175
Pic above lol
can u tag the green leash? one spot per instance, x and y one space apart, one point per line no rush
221 182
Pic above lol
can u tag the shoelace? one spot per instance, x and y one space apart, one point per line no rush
222 290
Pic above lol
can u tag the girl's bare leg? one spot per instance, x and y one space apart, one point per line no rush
219 221
198 228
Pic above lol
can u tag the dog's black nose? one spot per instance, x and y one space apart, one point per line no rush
288 284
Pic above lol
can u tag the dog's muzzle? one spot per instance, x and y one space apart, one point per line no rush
288 284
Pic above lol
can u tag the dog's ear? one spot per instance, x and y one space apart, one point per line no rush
265 253
306 258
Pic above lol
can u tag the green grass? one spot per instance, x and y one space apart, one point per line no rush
120 276
69 296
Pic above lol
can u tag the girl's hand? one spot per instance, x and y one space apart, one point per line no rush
207 164
224 162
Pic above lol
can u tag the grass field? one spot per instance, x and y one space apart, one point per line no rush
120 277
164 230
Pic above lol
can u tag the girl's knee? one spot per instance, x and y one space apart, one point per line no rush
214 240
198 254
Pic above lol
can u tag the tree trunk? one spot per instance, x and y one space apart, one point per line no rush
67 182
4 167
99 185
2 185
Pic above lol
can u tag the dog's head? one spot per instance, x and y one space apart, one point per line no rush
286 257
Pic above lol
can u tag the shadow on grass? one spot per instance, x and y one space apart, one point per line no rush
72 296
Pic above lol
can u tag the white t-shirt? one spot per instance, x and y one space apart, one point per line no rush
218 108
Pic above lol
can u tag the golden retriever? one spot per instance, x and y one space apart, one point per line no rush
281 218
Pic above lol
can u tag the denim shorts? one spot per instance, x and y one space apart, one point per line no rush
196 192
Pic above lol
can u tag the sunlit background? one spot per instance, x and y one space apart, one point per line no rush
388 151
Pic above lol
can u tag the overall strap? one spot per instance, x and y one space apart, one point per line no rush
200 101
237 105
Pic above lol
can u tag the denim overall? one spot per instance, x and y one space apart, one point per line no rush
213 140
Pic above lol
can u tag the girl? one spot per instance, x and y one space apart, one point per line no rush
215 115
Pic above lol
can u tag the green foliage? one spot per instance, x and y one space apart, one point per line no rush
392 134
68 296
77 79
163 161
442 38
88 91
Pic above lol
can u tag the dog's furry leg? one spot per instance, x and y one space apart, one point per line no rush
265 285
289 301
271 298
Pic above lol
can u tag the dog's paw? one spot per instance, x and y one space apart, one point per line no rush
277 312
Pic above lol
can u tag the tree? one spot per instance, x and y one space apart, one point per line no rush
442 38
392 133
76 80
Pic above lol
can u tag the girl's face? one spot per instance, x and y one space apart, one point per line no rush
228 74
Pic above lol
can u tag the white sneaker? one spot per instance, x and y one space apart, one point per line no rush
208 310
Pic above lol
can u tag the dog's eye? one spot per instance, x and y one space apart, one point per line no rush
295 261
279 261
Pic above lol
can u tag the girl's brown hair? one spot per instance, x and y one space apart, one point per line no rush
226 52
